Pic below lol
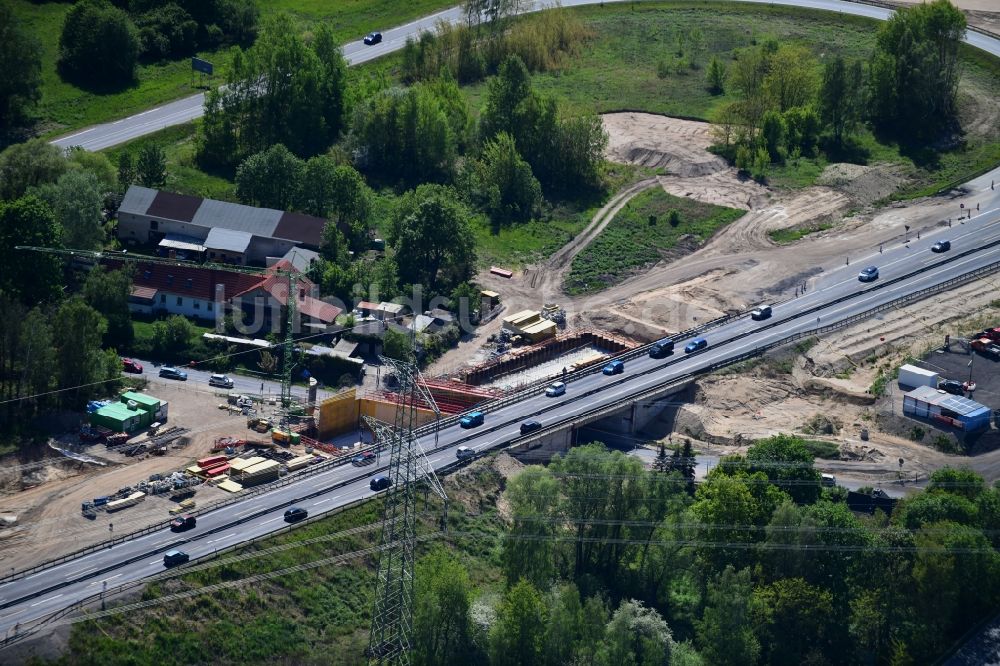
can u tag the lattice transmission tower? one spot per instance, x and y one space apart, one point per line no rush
392 617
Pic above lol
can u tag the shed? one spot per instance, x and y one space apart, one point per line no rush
914 376
146 403
119 417
952 410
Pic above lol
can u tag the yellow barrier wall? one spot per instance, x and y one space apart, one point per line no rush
386 411
338 414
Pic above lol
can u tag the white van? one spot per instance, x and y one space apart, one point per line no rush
220 380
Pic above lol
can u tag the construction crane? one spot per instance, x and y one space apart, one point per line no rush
129 258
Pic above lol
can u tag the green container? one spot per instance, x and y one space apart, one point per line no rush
296 438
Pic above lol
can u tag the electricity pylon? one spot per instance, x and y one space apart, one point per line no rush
291 275
392 617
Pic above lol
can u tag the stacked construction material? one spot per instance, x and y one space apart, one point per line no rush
262 472
131 500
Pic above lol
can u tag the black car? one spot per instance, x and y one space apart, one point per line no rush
530 426
941 246
295 514
175 557
380 483
951 386
183 523
373 38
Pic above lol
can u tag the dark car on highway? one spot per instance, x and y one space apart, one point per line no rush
169 372
380 483
174 557
614 368
183 523
695 345
295 514
373 38
941 246
530 426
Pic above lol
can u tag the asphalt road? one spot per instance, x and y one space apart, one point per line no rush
198 380
26 600
185 110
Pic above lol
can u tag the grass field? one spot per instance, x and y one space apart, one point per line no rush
785 236
641 235
65 107
319 615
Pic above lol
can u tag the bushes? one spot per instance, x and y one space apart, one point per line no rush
99 46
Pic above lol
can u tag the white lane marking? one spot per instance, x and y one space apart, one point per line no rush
248 511
98 582
271 521
84 571
38 603
325 500
221 538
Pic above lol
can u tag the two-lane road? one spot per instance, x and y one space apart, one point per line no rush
185 110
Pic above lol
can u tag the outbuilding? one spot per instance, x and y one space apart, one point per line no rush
912 376
955 411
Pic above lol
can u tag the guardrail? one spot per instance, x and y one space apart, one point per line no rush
652 390
214 506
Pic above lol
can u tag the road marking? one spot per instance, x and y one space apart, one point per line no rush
221 538
37 603
248 511
325 500
98 582
79 573
271 521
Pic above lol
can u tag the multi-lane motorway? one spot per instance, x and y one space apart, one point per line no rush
185 110
836 296
28 599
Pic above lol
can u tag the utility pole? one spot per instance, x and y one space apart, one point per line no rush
392 617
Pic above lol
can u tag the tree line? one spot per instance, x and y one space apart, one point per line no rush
789 106
759 564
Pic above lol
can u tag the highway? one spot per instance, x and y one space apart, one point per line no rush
837 295
187 109
25 600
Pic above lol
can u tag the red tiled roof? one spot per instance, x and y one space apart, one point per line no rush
277 286
174 206
189 281
144 293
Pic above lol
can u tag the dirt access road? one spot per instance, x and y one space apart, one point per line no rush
740 266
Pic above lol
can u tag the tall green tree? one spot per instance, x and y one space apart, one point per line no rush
29 164
108 293
30 277
786 461
504 182
841 97
636 635
280 90
272 178
792 619
406 135
433 240
77 339
716 76
99 45
97 164
77 201
20 70
914 70
528 549
172 336
441 631
516 636
151 166
725 632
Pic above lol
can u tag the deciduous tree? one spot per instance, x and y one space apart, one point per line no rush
76 199
99 45
271 179
151 166
20 70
